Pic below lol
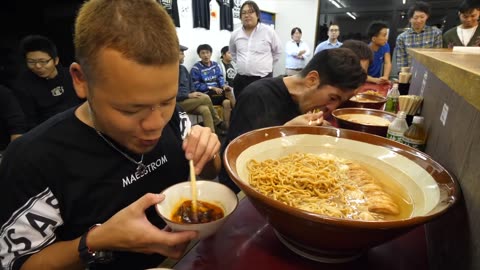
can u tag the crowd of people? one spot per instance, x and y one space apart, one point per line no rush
116 122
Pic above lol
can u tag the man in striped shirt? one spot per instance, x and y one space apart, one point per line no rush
419 35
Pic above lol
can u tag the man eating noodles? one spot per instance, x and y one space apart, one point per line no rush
329 79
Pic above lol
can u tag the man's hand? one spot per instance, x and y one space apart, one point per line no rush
217 90
130 230
227 88
194 95
384 80
308 119
201 145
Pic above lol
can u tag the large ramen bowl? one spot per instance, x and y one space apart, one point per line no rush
430 189
372 119
365 100
208 191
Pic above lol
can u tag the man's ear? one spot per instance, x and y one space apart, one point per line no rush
79 80
56 60
312 80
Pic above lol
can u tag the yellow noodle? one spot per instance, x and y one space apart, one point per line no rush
321 184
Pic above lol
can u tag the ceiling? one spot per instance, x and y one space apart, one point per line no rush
381 7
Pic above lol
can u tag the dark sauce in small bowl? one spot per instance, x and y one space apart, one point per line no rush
206 212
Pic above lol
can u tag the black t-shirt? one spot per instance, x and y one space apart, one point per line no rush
201 13
61 178
230 73
226 14
12 120
40 98
263 103
172 10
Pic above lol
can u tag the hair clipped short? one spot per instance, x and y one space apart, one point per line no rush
337 67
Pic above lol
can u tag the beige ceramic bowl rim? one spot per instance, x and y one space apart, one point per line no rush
199 224
318 218
374 111
374 98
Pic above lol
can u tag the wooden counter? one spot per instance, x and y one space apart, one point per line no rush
460 71
450 85
246 241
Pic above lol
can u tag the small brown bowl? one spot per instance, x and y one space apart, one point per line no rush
364 100
380 130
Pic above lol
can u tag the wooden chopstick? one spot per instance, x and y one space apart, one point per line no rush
193 187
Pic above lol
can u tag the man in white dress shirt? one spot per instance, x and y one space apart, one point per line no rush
297 53
255 48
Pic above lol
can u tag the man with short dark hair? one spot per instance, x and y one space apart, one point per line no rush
332 41
195 102
207 78
467 33
79 191
228 66
381 66
46 88
330 78
361 49
419 35
255 48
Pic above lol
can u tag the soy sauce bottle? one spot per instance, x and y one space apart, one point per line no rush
415 136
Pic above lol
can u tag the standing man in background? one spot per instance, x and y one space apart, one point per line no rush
254 47
419 35
332 41
379 70
467 33
297 52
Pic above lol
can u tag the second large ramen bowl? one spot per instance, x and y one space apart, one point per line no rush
430 189
364 120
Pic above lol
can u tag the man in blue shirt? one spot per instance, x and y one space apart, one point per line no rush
197 103
378 34
332 41
207 78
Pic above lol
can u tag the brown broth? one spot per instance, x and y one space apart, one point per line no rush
365 119
398 193
206 212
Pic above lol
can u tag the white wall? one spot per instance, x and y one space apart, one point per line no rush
289 14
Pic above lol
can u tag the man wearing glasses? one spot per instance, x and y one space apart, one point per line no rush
45 88
332 41
255 48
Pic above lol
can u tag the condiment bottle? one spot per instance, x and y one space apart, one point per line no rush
415 136
392 99
397 128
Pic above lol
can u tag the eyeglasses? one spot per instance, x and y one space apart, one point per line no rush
250 11
334 30
41 62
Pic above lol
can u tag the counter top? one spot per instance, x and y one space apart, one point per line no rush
460 71
246 241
